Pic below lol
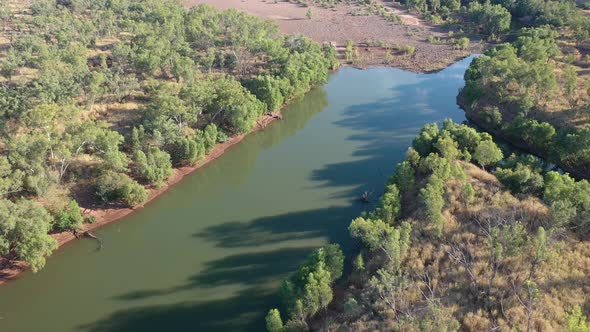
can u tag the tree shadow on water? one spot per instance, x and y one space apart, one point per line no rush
251 271
385 132
386 127
244 311
329 223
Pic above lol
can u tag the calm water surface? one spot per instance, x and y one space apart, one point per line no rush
210 254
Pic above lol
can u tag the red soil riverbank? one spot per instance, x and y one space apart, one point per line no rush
9 270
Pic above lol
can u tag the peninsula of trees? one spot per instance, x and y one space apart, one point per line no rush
450 247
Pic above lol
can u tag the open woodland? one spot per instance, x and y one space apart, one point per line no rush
102 101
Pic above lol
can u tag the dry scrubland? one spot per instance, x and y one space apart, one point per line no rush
376 40
451 280
450 246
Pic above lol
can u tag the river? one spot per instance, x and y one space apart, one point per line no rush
210 254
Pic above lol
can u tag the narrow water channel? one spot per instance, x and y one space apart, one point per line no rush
209 255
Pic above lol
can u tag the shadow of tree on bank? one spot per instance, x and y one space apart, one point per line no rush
252 270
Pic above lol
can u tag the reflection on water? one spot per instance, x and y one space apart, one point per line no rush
210 254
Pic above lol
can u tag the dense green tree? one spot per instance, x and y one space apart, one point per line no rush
332 257
154 165
377 235
309 289
467 193
487 153
412 157
11 181
423 142
390 204
539 135
27 154
186 151
317 292
563 212
501 73
274 323
371 232
113 187
23 232
14 101
233 108
447 147
349 52
210 136
576 321
397 244
466 137
404 176
537 44
359 262
439 168
138 138
521 179
492 20
58 81
571 148
432 199
270 90
10 65
166 104
69 217
568 195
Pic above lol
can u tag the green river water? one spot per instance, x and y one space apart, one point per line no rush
210 254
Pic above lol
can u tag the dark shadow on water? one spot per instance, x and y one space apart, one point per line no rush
241 312
254 270
329 223
249 269
385 128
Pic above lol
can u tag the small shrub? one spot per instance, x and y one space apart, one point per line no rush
113 187
461 43
69 218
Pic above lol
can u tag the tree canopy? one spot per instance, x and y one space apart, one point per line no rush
108 96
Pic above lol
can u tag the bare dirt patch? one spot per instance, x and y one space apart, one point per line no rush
337 25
